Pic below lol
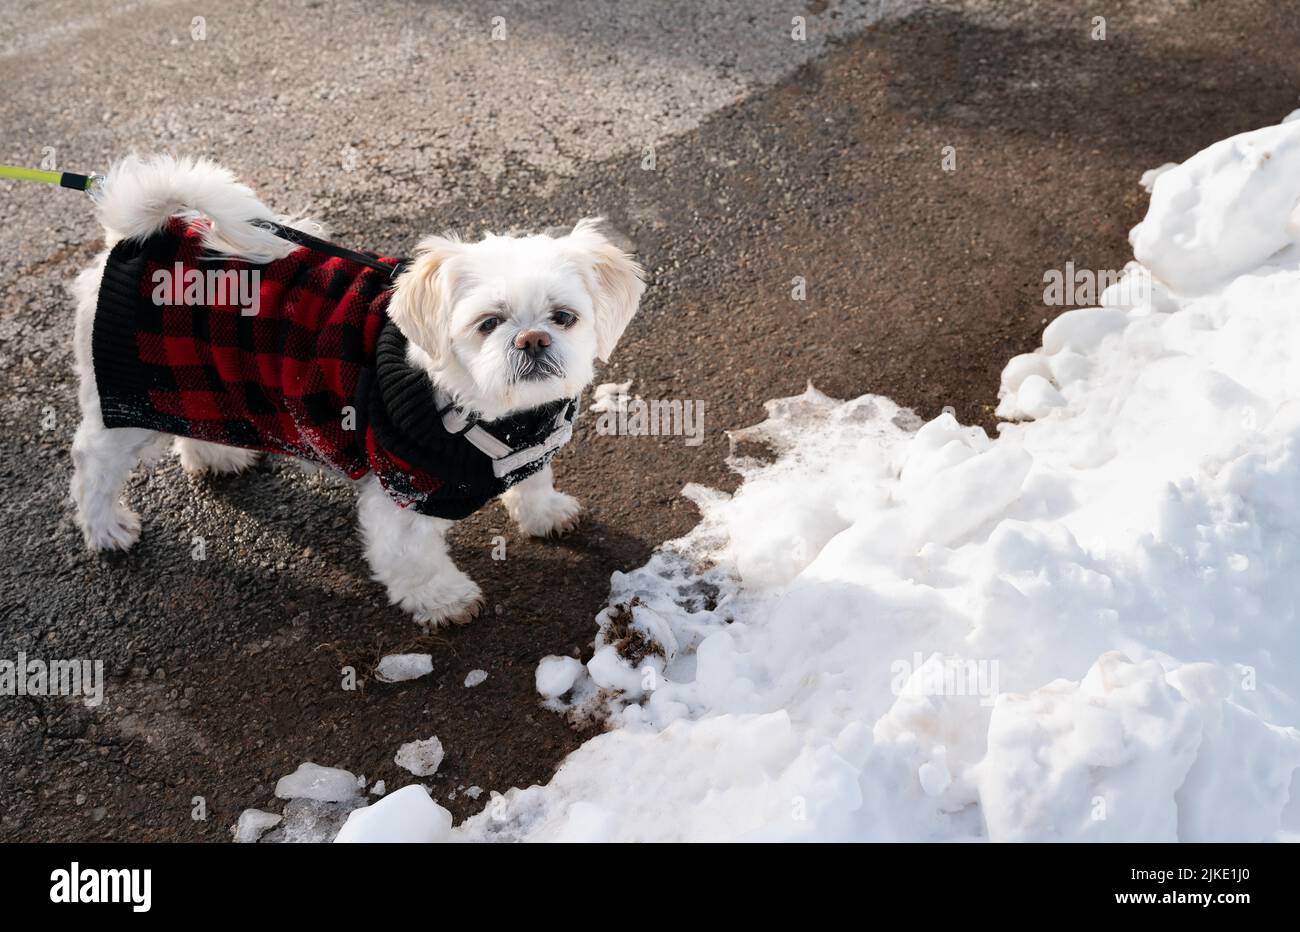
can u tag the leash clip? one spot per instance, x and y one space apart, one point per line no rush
95 187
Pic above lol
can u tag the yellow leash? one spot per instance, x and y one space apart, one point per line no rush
93 185
88 183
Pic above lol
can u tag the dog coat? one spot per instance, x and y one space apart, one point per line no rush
299 357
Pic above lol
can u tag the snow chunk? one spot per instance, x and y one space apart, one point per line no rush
1037 397
1150 175
1223 211
1240 783
934 778
407 815
1022 367
421 758
556 675
396 668
312 781
1098 760
253 824
610 397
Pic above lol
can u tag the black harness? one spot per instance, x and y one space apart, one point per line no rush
477 460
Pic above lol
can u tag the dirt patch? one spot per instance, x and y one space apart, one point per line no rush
630 641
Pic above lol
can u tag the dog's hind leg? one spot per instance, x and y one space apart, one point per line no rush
102 460
199 457
102 457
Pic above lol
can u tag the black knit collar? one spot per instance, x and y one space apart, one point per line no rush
404 414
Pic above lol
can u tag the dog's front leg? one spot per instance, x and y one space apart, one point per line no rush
538 509
408 554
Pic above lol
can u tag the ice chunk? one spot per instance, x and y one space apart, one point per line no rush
311 821
396 668
253 824
421 758
312 781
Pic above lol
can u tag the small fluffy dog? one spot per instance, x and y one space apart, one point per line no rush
437 383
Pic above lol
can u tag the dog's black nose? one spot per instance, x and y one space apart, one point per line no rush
533 342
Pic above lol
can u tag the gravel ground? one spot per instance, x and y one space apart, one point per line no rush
772 159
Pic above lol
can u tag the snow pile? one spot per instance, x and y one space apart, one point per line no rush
1083 629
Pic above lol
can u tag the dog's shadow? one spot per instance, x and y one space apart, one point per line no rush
303 512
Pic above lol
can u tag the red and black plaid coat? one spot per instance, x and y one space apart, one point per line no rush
318 371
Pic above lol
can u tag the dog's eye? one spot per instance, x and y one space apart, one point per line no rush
563 318
489 324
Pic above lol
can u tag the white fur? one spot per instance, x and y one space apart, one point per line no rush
538 509
528 283
453 286
408 554
142 193
198 457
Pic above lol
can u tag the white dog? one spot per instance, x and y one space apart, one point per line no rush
454 380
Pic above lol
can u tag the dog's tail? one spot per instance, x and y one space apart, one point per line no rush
141 193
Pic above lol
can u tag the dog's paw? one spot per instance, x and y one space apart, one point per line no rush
462 615
118 531
548 515
199 457
445 600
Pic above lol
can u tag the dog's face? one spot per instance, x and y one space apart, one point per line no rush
510 323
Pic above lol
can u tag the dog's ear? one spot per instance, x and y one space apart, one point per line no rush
616 281
421 303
